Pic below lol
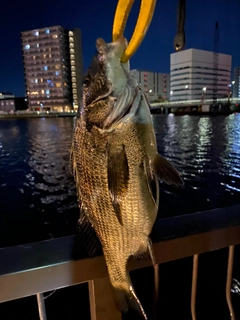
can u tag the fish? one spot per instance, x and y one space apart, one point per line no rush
116 166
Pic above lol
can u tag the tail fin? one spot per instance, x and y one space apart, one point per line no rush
125 299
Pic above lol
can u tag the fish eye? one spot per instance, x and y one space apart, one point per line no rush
86 82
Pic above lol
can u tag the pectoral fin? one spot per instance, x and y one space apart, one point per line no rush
118 176
166 172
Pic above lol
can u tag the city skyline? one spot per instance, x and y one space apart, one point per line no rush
96 20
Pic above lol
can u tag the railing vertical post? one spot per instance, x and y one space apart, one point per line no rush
229 282
194 286
156 289
102 306
41 306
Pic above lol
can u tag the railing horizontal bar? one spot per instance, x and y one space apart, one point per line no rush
59 250
50 277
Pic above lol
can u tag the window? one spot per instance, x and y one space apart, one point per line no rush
57 73
55 36
45 68
42 91
44 56
73 73
36 80
58 84
47 31
37 45
34 57
57 66
36 33
71 45
72 56
27 47
47 91
70 33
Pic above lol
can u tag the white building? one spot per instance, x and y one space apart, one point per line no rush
192 75
155 85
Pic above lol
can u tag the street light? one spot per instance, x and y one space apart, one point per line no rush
203 91
233 82
186 87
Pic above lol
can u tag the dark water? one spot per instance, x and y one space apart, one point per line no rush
37 193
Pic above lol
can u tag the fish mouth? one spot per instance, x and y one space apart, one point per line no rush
117 116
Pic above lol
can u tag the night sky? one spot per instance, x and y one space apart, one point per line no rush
95 18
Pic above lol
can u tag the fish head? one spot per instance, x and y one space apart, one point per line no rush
105 83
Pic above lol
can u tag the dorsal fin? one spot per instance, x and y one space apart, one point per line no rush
87 237
118 176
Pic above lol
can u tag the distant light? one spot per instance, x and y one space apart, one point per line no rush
150 90
186 86
236 104
47 111
204 89
36 33
27 46
171 92
233 82
47 31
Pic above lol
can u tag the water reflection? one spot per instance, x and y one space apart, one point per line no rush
37 188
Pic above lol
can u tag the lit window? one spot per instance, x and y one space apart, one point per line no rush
58 84
70 39
47 91
37 45
48 80
73 68
41 79
70 33
57 73
34 57
36 80
42 91
44 56
73 73
72 56
55 36
45 68
36 33
27 47
74 78
65 84
71 45
71 50
47 31
57 66
50 56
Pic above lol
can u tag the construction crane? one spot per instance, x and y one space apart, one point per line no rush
179 40
215 63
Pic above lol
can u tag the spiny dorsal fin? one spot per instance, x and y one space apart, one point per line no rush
166 172
118 176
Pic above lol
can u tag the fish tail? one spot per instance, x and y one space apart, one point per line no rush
126 299
123 292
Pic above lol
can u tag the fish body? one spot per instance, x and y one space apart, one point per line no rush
115 160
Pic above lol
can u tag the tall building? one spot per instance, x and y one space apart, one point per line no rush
192 75
53 68
155 85
236 83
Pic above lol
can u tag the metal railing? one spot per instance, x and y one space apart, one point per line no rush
35 268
